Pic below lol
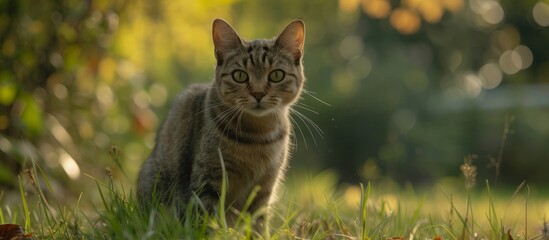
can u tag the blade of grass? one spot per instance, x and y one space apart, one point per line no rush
2 219
492 216
364 196
224 183
417 211
526 212
102 195
340 224
515 194
463 220
47 207
63 221
25 206
248 203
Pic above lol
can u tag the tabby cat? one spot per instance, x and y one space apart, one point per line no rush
243 112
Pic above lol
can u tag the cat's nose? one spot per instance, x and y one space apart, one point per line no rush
258 95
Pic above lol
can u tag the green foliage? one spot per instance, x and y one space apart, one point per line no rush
368 213
406 102
78 77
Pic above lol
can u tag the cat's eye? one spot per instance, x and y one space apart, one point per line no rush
240 76
276 75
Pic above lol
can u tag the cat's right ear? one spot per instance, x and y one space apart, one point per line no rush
225 39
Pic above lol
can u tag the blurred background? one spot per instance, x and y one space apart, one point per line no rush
399 90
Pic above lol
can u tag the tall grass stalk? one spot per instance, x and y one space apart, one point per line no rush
364 196
223 194
25 205
118 215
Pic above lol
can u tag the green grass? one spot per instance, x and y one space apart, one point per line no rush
311 207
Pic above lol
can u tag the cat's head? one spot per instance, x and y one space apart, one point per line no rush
260 76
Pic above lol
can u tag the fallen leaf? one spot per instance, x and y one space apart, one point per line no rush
13 232
509 236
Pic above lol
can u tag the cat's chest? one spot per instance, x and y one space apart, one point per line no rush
251 161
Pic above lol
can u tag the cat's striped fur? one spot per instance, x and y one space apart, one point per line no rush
244 112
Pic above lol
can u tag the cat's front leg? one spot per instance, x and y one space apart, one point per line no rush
208 196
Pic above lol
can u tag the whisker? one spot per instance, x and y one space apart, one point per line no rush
233 114
318 99
208 108
239 121
306 108
301 131
218 120
307 126
315 126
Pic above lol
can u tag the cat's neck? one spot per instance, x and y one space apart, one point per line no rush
267 122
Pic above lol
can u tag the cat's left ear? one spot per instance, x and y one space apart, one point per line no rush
292 39
225 39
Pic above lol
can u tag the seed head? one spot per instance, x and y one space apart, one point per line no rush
469 171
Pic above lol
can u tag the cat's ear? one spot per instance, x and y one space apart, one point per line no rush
292 39
225 38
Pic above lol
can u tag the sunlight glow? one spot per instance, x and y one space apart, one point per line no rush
59 132
493 12
141 99
352 197
453 5
104 94
490 76
405 21
158 94
60 91
85 129
431 11
69 165
490 10
348 6
508 37
471 85
541 14
525 55
351 46
510 62
344 83
376 8
359 67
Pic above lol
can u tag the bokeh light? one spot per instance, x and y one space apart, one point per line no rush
526 56
359 67
471 85
508 37
158 95
540 12
405 21
490 10
510 62
490 75
376 8
453 5
431 11
348 6
351 46
69 165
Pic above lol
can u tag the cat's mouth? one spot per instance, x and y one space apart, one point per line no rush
259 110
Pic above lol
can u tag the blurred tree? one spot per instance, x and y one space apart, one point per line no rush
79 76
413 85
43 44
